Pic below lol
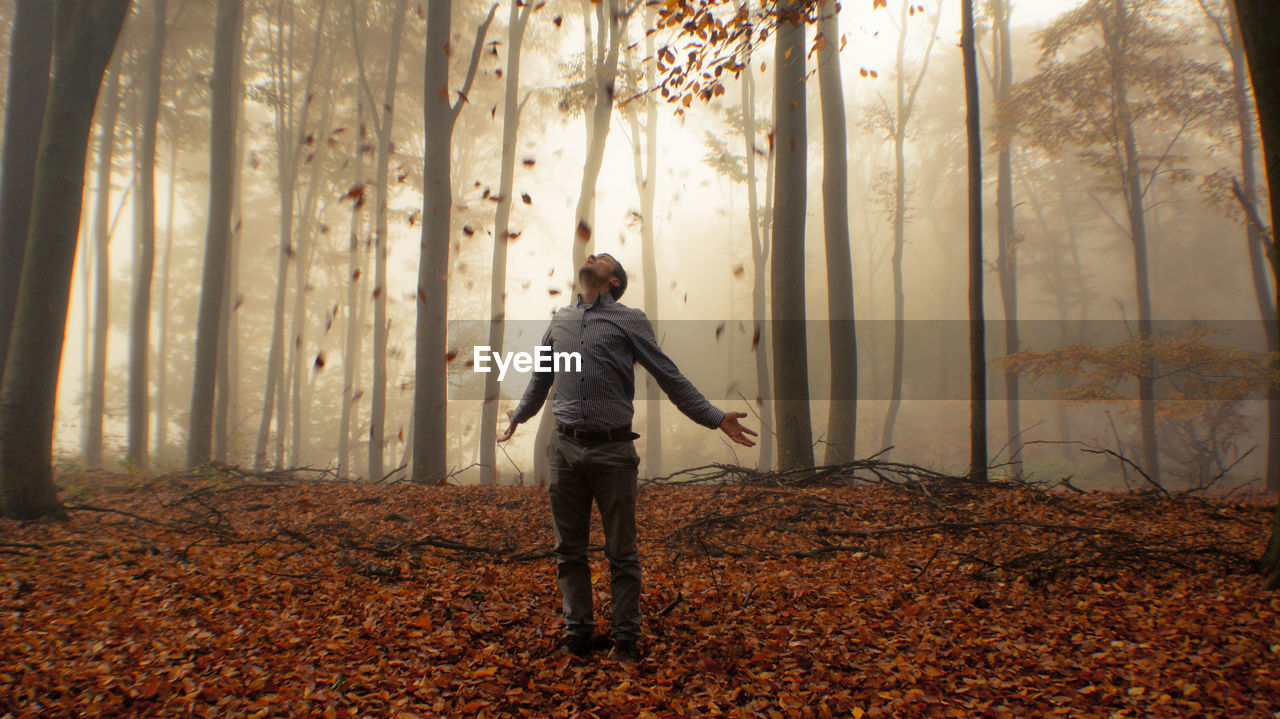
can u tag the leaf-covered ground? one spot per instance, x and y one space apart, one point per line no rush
235 595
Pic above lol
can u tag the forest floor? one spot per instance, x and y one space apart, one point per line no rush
856 594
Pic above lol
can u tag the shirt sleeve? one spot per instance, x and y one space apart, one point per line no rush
539 385
677 387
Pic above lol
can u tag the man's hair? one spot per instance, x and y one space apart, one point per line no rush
621 274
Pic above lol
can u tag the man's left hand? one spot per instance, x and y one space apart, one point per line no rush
730 426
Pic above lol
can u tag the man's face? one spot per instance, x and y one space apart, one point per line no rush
600 267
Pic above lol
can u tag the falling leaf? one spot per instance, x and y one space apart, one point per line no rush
584 231
525 197
719 330
319 364
739 270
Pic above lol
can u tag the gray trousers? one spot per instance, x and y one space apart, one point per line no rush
606 473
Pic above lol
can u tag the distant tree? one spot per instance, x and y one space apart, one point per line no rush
84 35
102 226
383 115
1222 16
1107 67
512 106
1006 254
212 285
896 122
30 45
145 242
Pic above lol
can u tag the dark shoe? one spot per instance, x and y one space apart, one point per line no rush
625 650
579 645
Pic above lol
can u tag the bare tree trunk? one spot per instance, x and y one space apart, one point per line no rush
289 142
761 334
378 400
512 107
350 355
430 397
605 70
28 90
84 35
162 322
977 318
226 388
221 157
843 417
1134 201
645 161
102 272
1258 20
905 105
790 349
1007 259
145 244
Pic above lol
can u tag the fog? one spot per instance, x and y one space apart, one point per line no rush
1075 271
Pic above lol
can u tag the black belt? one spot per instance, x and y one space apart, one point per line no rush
596 436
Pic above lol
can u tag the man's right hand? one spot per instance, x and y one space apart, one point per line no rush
511 428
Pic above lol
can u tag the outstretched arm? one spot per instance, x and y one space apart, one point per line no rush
677 387
534 395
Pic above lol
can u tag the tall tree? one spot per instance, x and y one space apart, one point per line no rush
512 106
221 156
30 44
1093 98
1222 16
601 67
84 35
440 114
644 157
102 227
1006 255
1258 20
382 125
842 420
350 354
977 318
144 241
790 339
290 125
896 121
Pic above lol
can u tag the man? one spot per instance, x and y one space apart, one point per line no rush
592 453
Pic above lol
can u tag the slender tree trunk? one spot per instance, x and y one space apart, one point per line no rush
977 318
378 400
84 35
145 248
1258 20
225 389
162 322
430 397
350 355
102 272
28 90
512 107
843 416
1134 201
1006 258
605 71
289 143
221 156
904 107
1254 241
790 349
645 161
760 338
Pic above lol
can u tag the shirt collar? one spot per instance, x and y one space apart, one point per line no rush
602 299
